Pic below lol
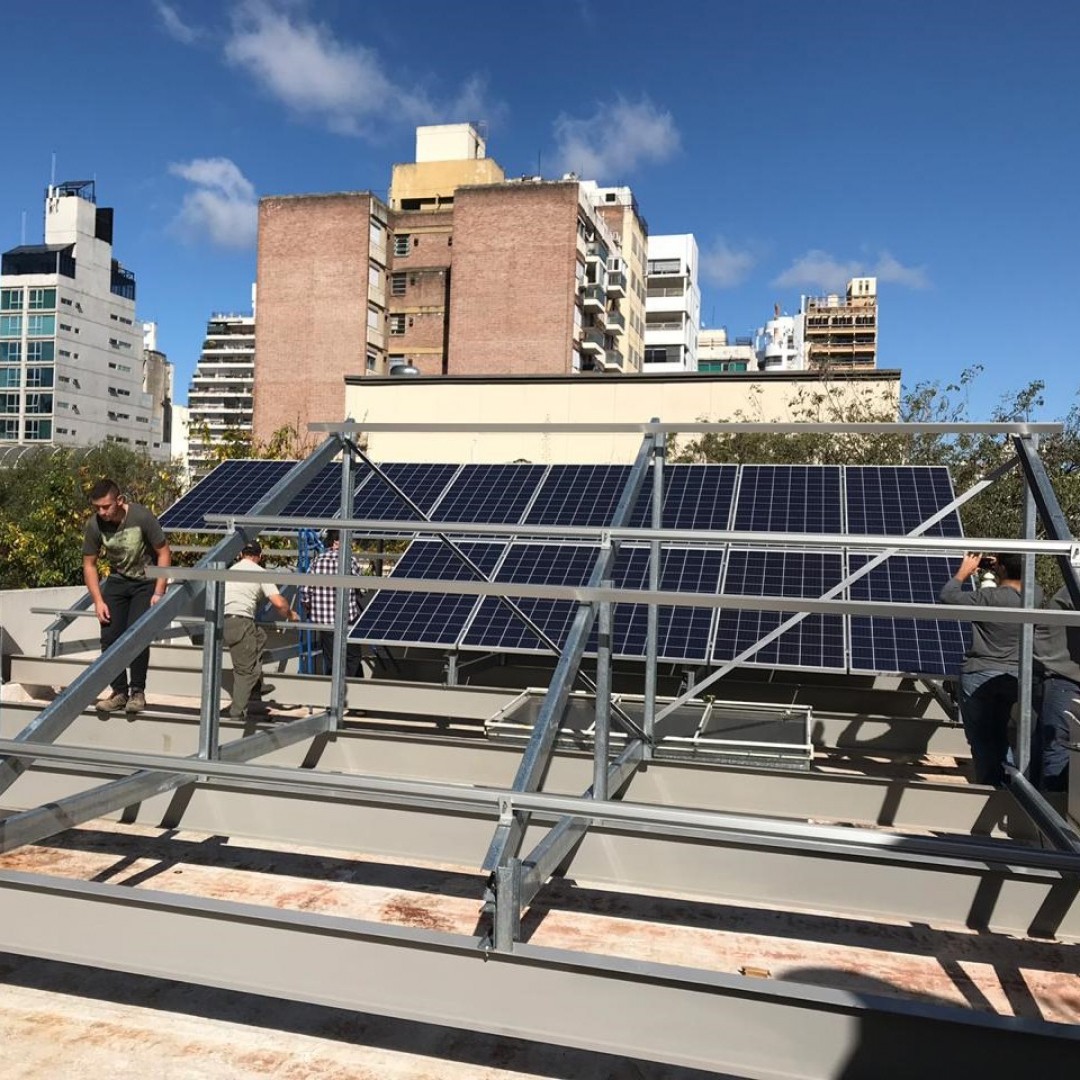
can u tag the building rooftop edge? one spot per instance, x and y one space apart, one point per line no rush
877 374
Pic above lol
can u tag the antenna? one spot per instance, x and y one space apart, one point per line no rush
539 170
52 171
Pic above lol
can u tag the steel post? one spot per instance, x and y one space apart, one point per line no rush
210 706
338 688
602 727
1027 630
653 612
507 924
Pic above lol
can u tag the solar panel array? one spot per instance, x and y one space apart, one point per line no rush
846 501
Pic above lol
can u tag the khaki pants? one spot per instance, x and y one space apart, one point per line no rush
246 641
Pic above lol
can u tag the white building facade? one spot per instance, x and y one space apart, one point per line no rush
221 396
716 355
71 348
779 345
672 305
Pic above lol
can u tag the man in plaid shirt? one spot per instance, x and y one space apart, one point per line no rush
320 602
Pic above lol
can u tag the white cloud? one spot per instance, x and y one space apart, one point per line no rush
344 85
617 138
174 26
724 266
818 269
222 208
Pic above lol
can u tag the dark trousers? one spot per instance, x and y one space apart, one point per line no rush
1058 704
127 599
354 666
986 700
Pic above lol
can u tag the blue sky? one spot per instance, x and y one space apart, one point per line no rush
934 144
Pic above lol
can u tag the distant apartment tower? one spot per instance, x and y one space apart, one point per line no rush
467 273
322 279
779 345
672 305
158 382
841 332
716 355
221 395
71 348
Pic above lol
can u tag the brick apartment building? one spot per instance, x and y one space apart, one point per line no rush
463 273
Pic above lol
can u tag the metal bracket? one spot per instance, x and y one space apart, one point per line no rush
1074 556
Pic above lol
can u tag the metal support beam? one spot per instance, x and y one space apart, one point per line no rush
602 728
1050 512
506 843
1027 631
55 718
210 703
31 826
653 611
341 608
1048 821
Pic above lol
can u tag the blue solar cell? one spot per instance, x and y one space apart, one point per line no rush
320 498
423 483
234 487
682 632
434 618
495 626
489 493
578 495
695 497
816 641
892 500
905 646
789 498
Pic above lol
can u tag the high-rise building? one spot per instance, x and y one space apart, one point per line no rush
716 355
220 398
71 348
841 332
467 273
157 382
672 305
779 345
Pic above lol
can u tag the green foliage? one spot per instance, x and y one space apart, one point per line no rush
44 506
996 512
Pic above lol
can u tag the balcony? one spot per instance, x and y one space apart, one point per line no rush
613 360
597 249
615 323
592 341
593 298
616 283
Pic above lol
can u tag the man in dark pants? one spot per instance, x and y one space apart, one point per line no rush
1057 649
988 679
320 602
131 538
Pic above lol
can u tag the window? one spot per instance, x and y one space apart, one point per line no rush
39 429
65 326
397 325
40 352
10 299
374 318
10 352
42 299
61 431
397 284
67 301
9 429
401 244
9 403
39 376
39 403
40 325
9 377
10 326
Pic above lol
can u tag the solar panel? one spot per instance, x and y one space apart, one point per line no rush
489 493
578 495
695 497
816 642
423 483
892 500
234 487
434 619
789 498
682 632
321 497
494 626
905 646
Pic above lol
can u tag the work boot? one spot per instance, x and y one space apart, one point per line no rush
114 703
264 689
137 702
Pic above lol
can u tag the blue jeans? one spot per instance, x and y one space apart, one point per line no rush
986 700
1058 704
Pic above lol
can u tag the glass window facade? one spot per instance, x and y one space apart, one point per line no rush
11 299
401 244
9 429
42 300
39 376
41 352
10 352
10 377
39 403
10 326
38 429
41 325
9 403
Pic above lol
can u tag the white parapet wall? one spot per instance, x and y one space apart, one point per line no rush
22 633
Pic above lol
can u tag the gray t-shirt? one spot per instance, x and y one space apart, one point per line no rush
1057 648
242 597
994 646
129 545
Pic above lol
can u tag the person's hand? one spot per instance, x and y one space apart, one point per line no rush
156 598
101 609
293 616
968 565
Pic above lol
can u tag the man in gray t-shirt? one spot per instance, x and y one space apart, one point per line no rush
988 678
131 539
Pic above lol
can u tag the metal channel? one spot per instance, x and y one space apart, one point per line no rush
626 1008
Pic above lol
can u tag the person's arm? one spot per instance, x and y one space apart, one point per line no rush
92 580
164 558
281 606
953 591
